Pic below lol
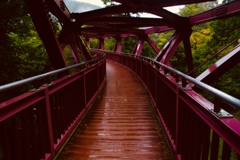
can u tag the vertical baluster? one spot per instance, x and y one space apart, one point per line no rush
63 107
56 113
16 147
53 100
205 138
26 147
1 140
43 138
226 151
4 141
184 131
215 146
190 134
32 133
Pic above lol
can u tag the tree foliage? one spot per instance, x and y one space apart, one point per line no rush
193 9
22 53
209 38
109 44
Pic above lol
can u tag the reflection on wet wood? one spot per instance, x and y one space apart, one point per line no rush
120 125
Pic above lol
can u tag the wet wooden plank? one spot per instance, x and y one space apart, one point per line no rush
120 125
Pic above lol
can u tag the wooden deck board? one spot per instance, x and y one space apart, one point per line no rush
120 124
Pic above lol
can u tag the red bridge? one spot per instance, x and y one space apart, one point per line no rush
115 105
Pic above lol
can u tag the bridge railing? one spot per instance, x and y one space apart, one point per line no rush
194 129
34 125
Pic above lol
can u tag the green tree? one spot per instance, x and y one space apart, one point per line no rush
199 39
109 44
22 53
193 9
128 44
225 30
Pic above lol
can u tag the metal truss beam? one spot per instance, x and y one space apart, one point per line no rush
151 44
138 47
59 9
39 13
118 45
221 66
102 13
157 29
162 3
222 11
101 44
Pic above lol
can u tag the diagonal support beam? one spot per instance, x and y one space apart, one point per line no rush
221 66
151 44
139 45
83 47
165 55
37 10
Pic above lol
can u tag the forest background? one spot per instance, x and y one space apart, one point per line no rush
22 53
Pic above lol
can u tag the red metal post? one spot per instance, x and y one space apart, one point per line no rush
49 120
118 45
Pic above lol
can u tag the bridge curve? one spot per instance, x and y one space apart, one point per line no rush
121 123
30 122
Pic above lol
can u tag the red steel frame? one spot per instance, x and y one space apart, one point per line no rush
194 132
36 124
189 124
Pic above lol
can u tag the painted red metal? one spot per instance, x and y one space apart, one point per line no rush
223 11
36 124
152 44
170 47
158 29
221 66
101 44
47 34
157 3
120 125
184 113
191 127
118 45
138 47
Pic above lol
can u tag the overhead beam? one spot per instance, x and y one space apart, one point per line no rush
175 20
128 20
222 11
111 29
160 3
102 12
157 29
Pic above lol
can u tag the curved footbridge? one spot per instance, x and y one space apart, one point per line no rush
120 125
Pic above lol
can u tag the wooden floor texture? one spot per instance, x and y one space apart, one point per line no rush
120 125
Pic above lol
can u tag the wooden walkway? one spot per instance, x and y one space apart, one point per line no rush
120 124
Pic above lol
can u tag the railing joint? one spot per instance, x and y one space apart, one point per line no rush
218 111
222 113
184 85
186 88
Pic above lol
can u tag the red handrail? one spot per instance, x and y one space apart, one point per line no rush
36 124
193 129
